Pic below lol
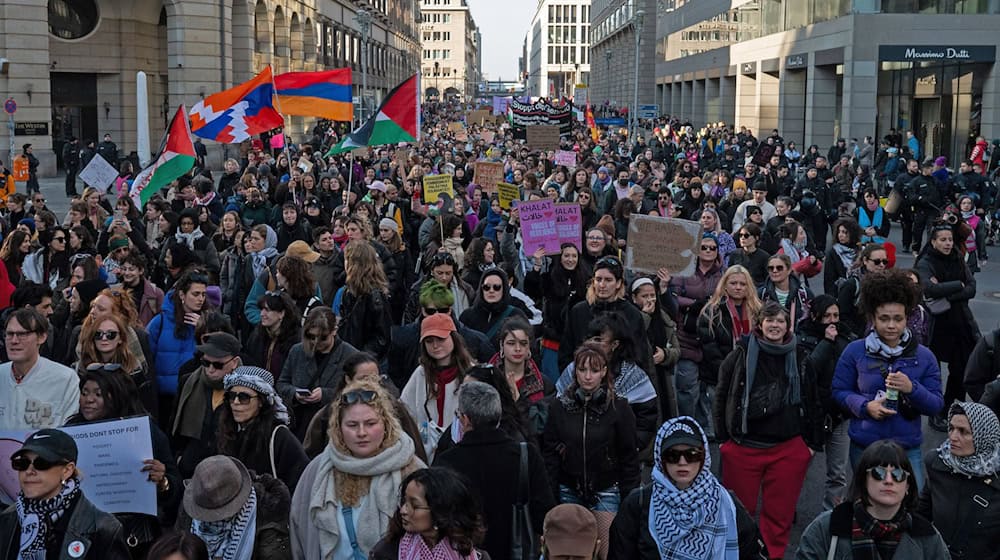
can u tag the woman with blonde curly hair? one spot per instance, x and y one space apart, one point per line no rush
347 494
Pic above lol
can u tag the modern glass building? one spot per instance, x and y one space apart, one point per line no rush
821 69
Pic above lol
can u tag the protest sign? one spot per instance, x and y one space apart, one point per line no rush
655 242
462 136
569 223
487 136
566 157
436 185
110 456
456 127
541 112
507 193
305 165
488 174
542 137
763 154
478 116
538 226
99 174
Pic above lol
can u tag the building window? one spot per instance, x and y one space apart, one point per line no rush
72 19
446 18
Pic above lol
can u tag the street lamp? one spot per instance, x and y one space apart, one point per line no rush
607 56
364 21
437 72
637 29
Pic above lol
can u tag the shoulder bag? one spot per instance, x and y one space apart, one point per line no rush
522 542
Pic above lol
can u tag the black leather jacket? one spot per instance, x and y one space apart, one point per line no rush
100 534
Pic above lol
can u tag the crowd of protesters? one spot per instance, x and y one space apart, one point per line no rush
333 369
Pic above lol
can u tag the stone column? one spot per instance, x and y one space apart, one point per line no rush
792 106
698 101
746 102
713 100
767 103
821 104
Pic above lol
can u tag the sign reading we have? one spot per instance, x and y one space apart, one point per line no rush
538 226
655 242
435 186
569 223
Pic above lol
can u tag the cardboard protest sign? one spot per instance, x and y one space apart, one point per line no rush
478 116
305 165
569 223
487 136
110 456
99 174
542 137
488 174
655 242
538 226
456 127
565 157
436 185
507 193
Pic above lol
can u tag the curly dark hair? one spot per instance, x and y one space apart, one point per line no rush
299 280
454 507
474 254
121 396
890 286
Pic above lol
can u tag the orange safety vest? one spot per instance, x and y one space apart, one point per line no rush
20 168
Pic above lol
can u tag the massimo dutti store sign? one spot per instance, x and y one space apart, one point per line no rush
937 53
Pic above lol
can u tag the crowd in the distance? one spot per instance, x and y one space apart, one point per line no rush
333 369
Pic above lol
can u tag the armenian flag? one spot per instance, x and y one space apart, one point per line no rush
324 94
233 115
397 120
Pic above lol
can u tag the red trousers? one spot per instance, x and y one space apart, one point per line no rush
776 474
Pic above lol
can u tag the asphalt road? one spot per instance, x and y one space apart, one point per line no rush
986 307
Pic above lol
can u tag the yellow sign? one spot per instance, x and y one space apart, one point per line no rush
435 186
507 193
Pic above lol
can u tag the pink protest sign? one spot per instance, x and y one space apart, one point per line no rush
565 157
538 226
568 223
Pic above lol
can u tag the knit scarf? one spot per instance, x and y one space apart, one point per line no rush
741 323
189 238
846 254
872 539
191 404
37 517
697 523
875 346
530 386
413 547
233 538
756 343
444 377
984 460
792 251
384 472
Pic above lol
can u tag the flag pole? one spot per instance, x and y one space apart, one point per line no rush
277 107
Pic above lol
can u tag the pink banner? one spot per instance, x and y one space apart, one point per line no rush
565 157
569 223
538 226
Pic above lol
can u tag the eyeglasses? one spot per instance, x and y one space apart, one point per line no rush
432 310
712 248
209 364
61 239
595 238
442 258
609 261
359 396
107 368
880 262
492 287
105 335
273 293
692 455
775 268
22 463
313 336
880 473
242 398
18 334
745 235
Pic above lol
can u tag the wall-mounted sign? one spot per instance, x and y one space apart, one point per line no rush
748 68
957 53
796 61
31 129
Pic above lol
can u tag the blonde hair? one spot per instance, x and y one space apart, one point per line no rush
751 305
364 270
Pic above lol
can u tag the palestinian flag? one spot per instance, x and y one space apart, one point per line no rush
397 120
176 158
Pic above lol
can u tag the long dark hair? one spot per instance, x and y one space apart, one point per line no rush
253 440
565 281
121 396
187 545
512 422
455 510
289 329
626 351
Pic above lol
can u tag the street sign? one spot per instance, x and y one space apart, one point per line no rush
10 106
649 111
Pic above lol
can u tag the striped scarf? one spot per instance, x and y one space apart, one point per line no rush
37 517
233 538
872 539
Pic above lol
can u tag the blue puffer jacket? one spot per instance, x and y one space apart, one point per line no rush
859 378
170 351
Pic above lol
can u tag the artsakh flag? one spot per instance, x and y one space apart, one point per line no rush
233 115
397 120
176 158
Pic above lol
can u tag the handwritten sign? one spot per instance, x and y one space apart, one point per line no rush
566 157
542 137
655 242
488 175
110 456
478 116
569 223
487 136
456 127
507 194
538 226
99 174
436 185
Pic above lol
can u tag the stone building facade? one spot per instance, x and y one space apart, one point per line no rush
451 63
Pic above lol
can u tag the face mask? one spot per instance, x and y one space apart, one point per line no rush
623 182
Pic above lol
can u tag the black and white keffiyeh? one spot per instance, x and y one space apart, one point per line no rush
38 516
233 538
260 380
985 459
697 523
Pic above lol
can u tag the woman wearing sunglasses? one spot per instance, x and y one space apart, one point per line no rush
887 381
346 496
785 288
750 254
768 416
493 306
52 518
879 519
107 393
105 340
872 258
253 427
685 512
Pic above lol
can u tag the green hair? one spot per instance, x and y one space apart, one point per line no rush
436 294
